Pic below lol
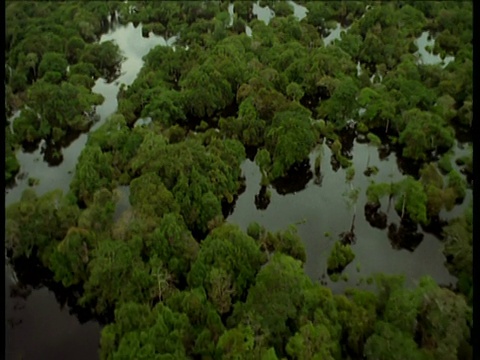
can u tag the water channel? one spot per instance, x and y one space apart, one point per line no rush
38 319
40 326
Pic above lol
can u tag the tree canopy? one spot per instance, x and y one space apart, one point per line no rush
169 274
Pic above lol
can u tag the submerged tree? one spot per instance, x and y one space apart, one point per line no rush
411 200
351 195
181 281
339 258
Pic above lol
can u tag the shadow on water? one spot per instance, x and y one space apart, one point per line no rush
463 135
45 322
196 123
296 179
405 235
32 275
375 217
384 242
262 199
251 152
40 310
347 138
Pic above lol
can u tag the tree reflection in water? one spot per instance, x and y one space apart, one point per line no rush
376 218
296 179
262 199
404 236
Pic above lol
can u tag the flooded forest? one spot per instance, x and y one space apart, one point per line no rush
238 180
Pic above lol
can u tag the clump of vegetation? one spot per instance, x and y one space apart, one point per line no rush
339 258
180 280
371 170
445 163
33 181
12 166
458 251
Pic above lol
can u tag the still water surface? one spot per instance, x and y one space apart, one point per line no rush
322 208
40 327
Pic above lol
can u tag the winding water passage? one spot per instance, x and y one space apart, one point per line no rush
38 326
39 323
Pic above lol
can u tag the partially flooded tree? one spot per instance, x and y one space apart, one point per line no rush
289 140
93 172
234 294
374 140
423 134
351 196
340 107
411 200
339 258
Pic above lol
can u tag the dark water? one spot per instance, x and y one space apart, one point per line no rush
321 208
39 326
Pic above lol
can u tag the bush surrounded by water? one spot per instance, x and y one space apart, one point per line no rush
180 281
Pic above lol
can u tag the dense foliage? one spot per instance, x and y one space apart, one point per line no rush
181 282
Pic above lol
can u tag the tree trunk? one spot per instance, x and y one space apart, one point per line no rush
386 127
403 205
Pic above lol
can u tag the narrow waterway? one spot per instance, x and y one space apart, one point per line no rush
322 213
38 326
41 326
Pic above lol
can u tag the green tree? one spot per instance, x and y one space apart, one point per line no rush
411 199
93 171
458 184
36 224
206 90
275 300
206 323
30 127
340 257
141 333
294 91
311 342
150 154
173 243
458 250
54 62
388 342
236 258
117 274
150 197
236 343
423 134
289 140
443 320
70 258
73 49
105 56
64 105
262 159
98 217
341 105
12 166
